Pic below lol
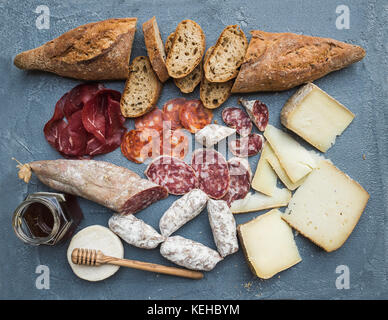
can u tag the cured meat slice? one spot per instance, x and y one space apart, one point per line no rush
240 180
173 174
182 211
135 231
212 134
223 227
246 146
87 121
117 188
151 120
140 144
236 118
175 143
257 111
190 254
171 110
194 116
212 171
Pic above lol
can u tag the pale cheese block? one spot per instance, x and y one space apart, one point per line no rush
212 134
296 160
315 116
98 238
327 206
280 172
257 201
265 177
268 244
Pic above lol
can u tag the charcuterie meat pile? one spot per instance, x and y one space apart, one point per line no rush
87 121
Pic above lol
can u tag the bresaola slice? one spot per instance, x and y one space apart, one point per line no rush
212 171
257 111
237 119
246 146
173 174
87 121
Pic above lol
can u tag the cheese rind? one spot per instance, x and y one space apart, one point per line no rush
327 206
257 201
268 244
315 116
265 177
296 160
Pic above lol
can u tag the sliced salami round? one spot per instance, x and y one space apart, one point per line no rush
173 174
257 111
140 144
175 143
151 120
171 111
212 171
237 119
246 146
240 180
194 116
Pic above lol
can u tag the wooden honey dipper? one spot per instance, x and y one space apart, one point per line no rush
91 257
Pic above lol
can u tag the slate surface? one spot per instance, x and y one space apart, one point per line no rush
28 99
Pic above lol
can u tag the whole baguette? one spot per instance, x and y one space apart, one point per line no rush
280 61
94 51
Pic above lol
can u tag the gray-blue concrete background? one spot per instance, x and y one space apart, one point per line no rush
28 98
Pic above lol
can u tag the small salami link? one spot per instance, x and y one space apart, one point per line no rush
212 171
240 180
247 146
135 231
194 116
182 211
173 174
171 110
257 111
223 227
151 120
237 119
190 254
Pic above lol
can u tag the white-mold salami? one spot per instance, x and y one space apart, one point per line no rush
223 227
236 118
173 174
135 231
182 211
190 254
212 134
212 171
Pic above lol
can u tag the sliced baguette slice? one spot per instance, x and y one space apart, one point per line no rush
214 94
257 201
268 244
227 56
155 48
142 89
187 49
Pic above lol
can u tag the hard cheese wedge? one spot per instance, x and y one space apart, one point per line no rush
265 178
327 206
315 116
258 201
277 167
268 244
296 160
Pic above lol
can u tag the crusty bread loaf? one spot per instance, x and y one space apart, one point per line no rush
280 61
227 56
187 49
214 94
94 51
188 83
155 48
142 89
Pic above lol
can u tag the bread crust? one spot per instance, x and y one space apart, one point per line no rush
280 61
157 58
198 61
94 51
